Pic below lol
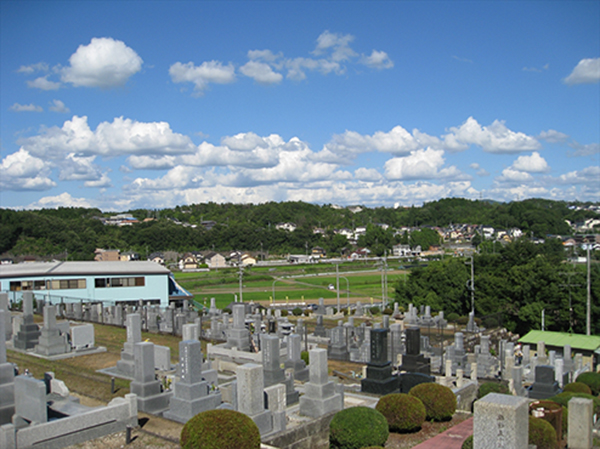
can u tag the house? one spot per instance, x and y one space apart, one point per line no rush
290 227
129 256
157 258
360 253
107 255
247 260
188 262
215 260
317 252
401 250
208 224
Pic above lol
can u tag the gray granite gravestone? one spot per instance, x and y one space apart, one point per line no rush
545 386
7 316
294 359
275 403
320 395
29 332
51 341
82 337
192 394
379 378
413 361
150 397
238 336
320 330
501 422
7 379
359 309
250 396
458 355
581 423
487 365
126 366
272 370
337 348
162 358
30 401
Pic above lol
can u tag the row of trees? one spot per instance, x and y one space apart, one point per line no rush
514 284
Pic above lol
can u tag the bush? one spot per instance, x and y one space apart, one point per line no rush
297 311
542 434
404 413
375 310
491 387
439 401
577 387
304 356
592 380
453 317
284 312
462 320
227 310
216 429
307 312
387 311
564 398
468 443
358 427
490 322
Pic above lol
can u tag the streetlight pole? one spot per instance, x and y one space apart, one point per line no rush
337 278
471 285
241 274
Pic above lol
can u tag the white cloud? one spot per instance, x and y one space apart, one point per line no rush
63 200
202 75
261 72
59 106
26 108
553 136
101 183
104 62
531 164
589 149
29 69
21 171
151 162
496 138
420 164
589 175
43 83
121 137
367 174
587 71
337 44
265 55
378 60
480 170
75 168
511 175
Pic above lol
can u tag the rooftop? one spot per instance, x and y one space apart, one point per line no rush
80 268
576 341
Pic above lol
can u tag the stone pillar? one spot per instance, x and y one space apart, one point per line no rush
250 399
320 396
501 421
7 378
581 413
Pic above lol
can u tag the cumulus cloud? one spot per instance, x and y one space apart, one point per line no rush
367 174
26 108
420 164
121 137
378 60
63 200
59 106
584 176
480 170
43 83
75 168
29 69
496 138
104 62
553 136
101 183
22 171
202 75
338 45
261 72
589 149
587 71
511 175
531 164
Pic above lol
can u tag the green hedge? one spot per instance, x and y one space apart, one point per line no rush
358 427
577 387
403 412
439 400
491 387
592 380
217 429
542 434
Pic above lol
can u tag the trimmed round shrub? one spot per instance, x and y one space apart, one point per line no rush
404 413
304 356
491 387
375 310
439 400
358 427
217 429
284 312
468 443
297 311
564 398
542 434
387 311
453 317
592 380
577 387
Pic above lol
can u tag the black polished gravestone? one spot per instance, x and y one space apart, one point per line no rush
413 361
379 378
544 386
409 380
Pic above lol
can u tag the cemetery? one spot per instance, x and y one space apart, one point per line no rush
160 368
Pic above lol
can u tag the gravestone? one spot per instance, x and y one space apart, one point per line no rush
162 358
126 366
517 379
272 370
501 422
150 397
395 344
379 378
411 318
30 401
320 310
407 381
581 424
275 403
7 378
458 355
319 328
51 341
359 309
190 332
294 359
320 395
7 316
250 396
413 361
337 348
192 394
238 336
29 332
385 321
471 325
487 364
544 386
82 337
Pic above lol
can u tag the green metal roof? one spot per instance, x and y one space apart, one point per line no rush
576 341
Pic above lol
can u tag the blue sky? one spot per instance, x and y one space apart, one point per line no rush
122 105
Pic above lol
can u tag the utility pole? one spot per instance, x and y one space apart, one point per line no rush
337 287
569 285
588 324
471 284
241 274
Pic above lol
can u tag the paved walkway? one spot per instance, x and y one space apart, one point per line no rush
452 438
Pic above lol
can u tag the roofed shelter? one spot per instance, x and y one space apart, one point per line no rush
587 345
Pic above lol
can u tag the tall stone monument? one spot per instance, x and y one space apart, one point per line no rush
51 341
126 366
320 394
238 336
7 379
150 397
272 370
29 332
379 378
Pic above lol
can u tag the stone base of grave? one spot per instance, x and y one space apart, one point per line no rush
379 380
149 397
264 422
317 407
51 342
543 391
415 364
238 338
320 331
301 371
338 353
7 392
27 337
182 410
